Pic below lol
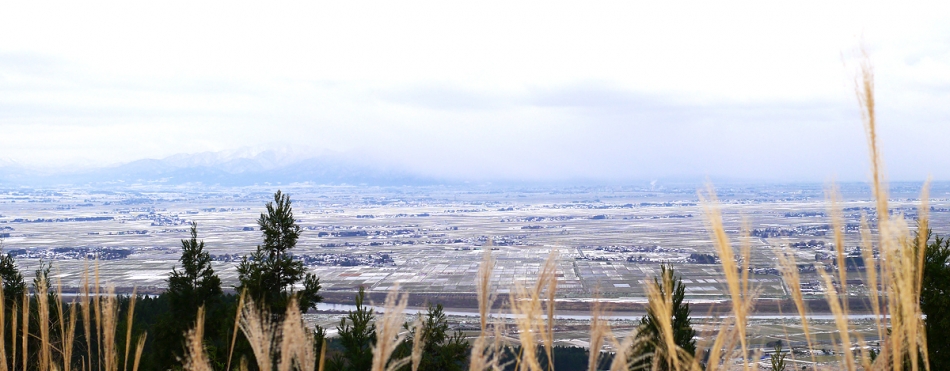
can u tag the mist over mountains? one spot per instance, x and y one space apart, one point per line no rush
229 168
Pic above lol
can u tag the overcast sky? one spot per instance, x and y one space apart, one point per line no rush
489 90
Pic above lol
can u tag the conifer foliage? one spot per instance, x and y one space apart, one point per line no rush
357 338
649 331
442 350
270 273
935 299
13 284
196 283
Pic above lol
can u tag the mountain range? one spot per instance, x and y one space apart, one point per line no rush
229 168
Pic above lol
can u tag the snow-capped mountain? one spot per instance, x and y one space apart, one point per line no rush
238 167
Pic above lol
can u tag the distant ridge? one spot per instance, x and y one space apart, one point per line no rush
239 168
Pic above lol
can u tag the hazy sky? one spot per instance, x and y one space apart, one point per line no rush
507 90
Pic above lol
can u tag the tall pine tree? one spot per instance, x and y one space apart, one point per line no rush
935 298
195 285
357 337
649 332
270 273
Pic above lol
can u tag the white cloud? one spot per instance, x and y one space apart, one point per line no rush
493 89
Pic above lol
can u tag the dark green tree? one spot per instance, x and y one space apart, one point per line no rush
196 284
648 333
440 350
13 285
357 337
935 299
778 358
270 273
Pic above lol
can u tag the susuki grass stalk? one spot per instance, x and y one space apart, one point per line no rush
109 312
737 286
234 330
128 330
195 357
417 342
526 308
3 335
482 354
139 347
25 327
901 262
598 331
259 330
86 315
789 270
549 275
839 302
67 329
13 332
97 309
42 299
296 342
388 334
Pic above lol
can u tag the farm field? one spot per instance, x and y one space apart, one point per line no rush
429 240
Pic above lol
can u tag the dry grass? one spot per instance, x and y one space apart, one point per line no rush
388 334
260 331
416 355
296 347
196 359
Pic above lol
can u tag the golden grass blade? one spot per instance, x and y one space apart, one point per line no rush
13 330
195 358
737 286
69 338
481 355
259 331
25 326
128 331
526 308
66 350
296 342
923 229
872 269
550 277
109 311
598 331
417 341
97 308
42 300
3 335
841 319
789 270
837 223
483 288
388 334
139 347
660 301
234 331
323 356
86 321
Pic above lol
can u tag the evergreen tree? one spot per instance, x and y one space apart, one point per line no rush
648 332
195 285
13 284
440 351
778 358
357 337
270 273
935 299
